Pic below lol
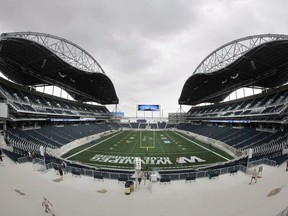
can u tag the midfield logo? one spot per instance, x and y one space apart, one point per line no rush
193 159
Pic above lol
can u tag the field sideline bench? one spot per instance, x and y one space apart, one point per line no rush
76 173
190 178
233 171
122 179
165 180
99 177
214 174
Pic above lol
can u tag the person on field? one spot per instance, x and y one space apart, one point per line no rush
47 205
254 176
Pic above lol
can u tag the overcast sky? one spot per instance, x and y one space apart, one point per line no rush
148 48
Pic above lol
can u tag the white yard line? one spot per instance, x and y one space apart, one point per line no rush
91 146
207 149
154 141
203 147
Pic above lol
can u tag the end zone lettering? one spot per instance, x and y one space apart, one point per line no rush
115 159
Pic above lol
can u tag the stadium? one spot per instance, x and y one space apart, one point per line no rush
216 139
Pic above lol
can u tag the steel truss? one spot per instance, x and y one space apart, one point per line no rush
64 49
230 52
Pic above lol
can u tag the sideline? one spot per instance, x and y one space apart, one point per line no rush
92 146
179 134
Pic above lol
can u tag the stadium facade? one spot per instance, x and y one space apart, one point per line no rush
31 120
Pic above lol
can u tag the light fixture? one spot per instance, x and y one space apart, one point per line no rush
43 63
253 65
62 75
234 77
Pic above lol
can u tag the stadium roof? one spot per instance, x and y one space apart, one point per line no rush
34 59
254 61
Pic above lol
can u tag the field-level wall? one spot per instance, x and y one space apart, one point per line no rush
79 142
215 143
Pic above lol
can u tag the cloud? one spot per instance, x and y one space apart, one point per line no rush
148 48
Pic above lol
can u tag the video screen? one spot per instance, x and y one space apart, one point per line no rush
118 114
145 107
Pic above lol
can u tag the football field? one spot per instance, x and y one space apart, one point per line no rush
161 149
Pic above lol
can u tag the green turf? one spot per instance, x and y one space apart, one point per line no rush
155 148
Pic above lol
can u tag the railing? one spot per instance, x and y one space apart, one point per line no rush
265 161
23 159
39 165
